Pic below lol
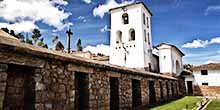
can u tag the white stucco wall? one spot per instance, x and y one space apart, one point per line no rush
168 56
213 78
138 53
176 56
165 61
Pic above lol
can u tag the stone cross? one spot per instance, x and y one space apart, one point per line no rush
69 33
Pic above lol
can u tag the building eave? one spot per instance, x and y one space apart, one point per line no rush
122 7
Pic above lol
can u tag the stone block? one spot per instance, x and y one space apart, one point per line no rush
40 86
3 76
2 86
3 67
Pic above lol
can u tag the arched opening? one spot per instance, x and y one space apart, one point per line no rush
125 18
119 37
177 67
132 35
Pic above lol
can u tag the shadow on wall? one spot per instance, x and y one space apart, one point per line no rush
213 91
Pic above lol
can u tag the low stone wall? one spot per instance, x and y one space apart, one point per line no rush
213 91
32 78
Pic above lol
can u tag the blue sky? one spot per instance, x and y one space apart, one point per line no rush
191 25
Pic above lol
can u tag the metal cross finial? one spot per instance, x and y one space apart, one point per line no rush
69 33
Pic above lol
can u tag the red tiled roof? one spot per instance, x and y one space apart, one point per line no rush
210 66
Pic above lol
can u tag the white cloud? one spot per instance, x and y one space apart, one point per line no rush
82 18
104 29
215 40
202 44
100 48
87 1
24 26
212 9
47 11
102 9
196 44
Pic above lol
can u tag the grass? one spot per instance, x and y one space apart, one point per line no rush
178 104
214 105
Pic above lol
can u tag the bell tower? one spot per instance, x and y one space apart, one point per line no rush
130 38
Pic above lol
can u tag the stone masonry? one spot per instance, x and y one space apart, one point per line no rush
33 78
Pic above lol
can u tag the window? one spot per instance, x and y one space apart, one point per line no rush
145 36
132 35
125 18
147 23
118 37
150 69
148 36
205 84
204 72
144 19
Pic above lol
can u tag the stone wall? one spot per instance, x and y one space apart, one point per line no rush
3 79
213 91
38 79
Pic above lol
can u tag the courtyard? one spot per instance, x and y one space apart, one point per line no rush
184 103
214 105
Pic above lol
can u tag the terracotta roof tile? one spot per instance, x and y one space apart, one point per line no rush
210 66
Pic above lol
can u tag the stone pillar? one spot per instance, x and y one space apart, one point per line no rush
71 89
174 87
39 91
164 90
177 89
157 90
99 92
3 79
170 88
125 93
144 91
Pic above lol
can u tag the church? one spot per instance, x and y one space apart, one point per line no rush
131 42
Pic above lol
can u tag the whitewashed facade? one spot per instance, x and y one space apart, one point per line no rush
131 42
170 59
132 53
211 79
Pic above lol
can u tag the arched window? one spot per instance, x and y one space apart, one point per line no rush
148 38
145 36
144 19
118 37
125 18
132 35
177 67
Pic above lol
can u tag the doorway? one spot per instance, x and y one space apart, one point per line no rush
189 87
136 94
152 93
20 90
114 93
82 91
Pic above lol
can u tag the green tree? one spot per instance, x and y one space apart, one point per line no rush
5 30
41 42
36 35
59 46
188 67
45 46
12 32
28 41
79 45
55 38
20 36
